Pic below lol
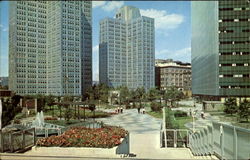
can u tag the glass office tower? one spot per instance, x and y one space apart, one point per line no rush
221 48
69 49
50 47
27 47
126 49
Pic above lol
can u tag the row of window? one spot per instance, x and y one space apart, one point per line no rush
234 64
235 20
234 87
234 42
235 75
234 53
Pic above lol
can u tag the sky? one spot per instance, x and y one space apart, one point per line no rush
172 29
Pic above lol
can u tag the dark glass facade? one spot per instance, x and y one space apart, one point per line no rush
221 48
234 48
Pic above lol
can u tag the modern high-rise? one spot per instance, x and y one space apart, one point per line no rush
69 47
50 47
127 49
27 47
221 48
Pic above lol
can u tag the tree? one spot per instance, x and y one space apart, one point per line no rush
124 94
133 97
172 94
97 92
230 106
140 94
155 107
153 94
244 110
50 102
68 112
10 109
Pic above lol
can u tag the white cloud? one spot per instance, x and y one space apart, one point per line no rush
163 20
181 54
110 6
96 49
5 29
96 4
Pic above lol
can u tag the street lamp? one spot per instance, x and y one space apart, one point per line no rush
99 104
193 115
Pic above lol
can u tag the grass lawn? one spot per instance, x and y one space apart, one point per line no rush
234 120
62 122
55 112
181 121
155 114
230 118
183 105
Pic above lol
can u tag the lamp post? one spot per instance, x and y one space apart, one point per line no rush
1 108
99 104
193 115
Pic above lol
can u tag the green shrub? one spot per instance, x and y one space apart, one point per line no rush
230 106
127 106
179 113
155 107
170 122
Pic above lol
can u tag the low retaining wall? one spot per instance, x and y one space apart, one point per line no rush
73 151
115 152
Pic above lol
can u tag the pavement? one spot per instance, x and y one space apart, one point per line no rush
144 133
199 122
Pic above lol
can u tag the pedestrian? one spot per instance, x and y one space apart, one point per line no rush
202 115
121 109
118 109
143 110
139 109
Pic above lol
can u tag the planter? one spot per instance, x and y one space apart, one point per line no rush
114 152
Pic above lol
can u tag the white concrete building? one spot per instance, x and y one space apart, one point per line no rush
127 49
50 47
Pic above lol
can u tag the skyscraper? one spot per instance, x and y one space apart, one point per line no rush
69 49
50 47
127 49
221 48
27 47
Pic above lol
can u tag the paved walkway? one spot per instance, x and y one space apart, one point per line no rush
134 122
144 133
200 122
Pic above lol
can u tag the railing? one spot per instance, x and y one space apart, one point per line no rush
15 141
225 141
174 138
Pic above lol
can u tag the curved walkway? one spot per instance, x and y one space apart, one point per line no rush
134 122
144 137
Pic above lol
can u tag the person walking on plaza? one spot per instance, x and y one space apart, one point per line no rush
139 109
143 110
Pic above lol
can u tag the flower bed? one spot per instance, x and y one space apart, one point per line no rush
106 137
50 118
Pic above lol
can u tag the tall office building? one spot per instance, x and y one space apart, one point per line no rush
69 49
221 48
127 50
27 47
50 47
